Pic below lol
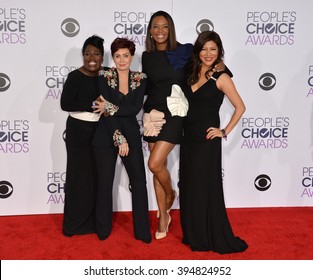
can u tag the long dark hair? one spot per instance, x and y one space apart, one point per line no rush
171 41
194 66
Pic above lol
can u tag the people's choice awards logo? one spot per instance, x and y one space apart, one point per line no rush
131 25
55 79
262 182
70 27
307 181
14 136
5 82
56 187
6 189
264 132
267 81
204 25
12 26
270 27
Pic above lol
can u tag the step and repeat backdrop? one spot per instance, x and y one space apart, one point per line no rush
268 158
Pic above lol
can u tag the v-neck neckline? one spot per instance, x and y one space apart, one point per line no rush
200 86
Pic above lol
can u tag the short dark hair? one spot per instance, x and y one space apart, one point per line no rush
123 43
95 41
171 42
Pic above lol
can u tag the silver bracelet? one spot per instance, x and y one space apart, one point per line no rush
110 108
118 138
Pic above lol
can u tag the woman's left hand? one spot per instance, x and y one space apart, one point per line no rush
213 132
123 149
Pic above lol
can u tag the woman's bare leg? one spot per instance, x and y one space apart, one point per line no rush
157 163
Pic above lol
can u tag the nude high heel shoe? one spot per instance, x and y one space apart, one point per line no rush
162 234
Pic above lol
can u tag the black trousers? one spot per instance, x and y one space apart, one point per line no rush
134 165
79 205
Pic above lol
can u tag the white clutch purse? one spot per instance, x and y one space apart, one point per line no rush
177 103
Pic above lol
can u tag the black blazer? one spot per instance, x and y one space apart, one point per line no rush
129 106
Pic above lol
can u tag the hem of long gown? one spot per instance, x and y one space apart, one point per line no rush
243 247
215 251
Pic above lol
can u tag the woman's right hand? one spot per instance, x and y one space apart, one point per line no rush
98 106
123 149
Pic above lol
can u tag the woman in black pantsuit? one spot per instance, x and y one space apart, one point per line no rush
118 133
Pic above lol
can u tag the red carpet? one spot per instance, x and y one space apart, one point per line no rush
272 234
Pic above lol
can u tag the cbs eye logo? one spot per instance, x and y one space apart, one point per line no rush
262 182
70 27
6 189
204 25
267 81
5 82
